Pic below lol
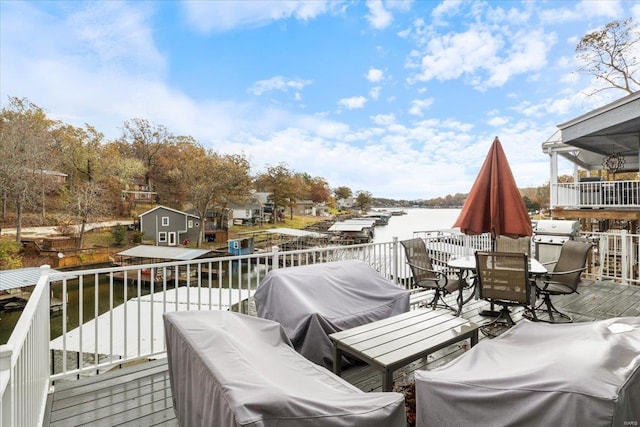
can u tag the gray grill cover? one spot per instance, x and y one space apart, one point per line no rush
313 301
580 374
228 369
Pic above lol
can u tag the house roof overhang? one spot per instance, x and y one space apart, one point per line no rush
589 138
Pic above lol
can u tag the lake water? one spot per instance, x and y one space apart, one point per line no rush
417 219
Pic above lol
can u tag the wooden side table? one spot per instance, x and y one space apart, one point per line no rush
392 343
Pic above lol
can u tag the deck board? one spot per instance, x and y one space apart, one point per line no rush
140 395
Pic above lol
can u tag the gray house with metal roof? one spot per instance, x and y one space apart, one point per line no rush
169 227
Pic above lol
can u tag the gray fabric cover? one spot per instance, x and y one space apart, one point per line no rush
536 374
313 301
228 369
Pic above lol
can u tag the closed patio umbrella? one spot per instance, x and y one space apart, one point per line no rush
494 204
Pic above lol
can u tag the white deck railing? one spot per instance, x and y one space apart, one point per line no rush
599 194
120 308
24 362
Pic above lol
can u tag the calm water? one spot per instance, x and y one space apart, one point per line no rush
403 226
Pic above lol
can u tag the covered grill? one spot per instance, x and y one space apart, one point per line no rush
549 236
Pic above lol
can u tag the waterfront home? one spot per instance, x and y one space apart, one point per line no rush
169 227
601 145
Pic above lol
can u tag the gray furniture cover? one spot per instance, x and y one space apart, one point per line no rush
228 369
313 301
535 374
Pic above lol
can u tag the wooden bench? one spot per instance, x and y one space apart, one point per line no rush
392 343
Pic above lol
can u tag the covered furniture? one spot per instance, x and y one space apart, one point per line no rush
229 369
503 279
537 374
564 278
313 301
425 276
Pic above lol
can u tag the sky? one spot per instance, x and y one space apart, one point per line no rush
398 98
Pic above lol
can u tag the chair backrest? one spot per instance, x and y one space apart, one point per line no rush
503 277
573 256
417 255
507 244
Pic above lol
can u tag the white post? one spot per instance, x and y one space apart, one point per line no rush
553 185
625 251
395 261
6 387
274 257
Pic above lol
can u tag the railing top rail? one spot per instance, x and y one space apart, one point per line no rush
20 331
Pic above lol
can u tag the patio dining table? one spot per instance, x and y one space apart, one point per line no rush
468 264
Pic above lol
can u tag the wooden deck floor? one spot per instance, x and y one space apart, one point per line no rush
141 395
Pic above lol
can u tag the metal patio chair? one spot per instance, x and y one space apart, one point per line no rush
503 279
426 276
563 280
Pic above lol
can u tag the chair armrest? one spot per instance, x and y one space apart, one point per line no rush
561 273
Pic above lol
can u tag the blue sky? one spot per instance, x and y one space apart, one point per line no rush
398 98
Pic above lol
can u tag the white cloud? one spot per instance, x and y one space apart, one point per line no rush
374 93
278 83
447 7
485 58
450 56
378 16
582 10
384 119
498 121
208 16
353 103
374 75
417 105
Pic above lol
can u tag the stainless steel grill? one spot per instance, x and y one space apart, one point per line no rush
550 235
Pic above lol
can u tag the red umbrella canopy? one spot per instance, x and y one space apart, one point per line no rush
494 204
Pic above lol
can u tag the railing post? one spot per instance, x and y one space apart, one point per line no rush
603 243
6 387
395 259
624 262
274 257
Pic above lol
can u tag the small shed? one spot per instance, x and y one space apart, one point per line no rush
169 227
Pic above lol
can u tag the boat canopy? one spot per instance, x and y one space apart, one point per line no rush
164 252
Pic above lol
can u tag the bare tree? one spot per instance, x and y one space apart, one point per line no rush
87 203
611 55
24 142
147 140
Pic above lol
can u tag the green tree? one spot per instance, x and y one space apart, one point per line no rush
363 200
10 255
119 234
611 55
342 193
279 181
